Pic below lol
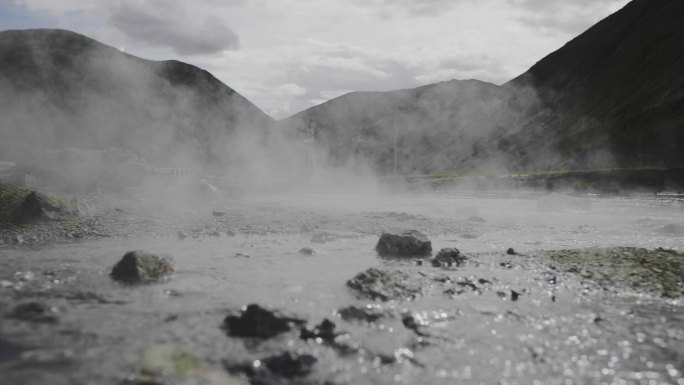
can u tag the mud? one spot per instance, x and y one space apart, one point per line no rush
564 308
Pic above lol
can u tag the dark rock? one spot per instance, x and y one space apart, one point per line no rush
410 243
411 323
218 213
383 285
290 365
33 312
30 210
449 256
325 331
367 314
258 322
307 251
510 251
514 295
141 266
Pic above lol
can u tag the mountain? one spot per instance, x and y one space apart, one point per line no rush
617 88
433 125
611 97
60 89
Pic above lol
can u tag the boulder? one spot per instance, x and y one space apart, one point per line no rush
258 322
410 243
141 266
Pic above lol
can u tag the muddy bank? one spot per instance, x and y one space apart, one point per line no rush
514 290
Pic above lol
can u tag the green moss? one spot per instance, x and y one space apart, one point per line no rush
655 271
10 197
167 359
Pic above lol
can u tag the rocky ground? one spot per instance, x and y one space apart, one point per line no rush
265 292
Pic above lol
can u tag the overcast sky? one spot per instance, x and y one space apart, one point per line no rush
287 55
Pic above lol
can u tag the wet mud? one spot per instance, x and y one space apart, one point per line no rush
587 295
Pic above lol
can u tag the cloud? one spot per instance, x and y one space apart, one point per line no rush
166 23
562 16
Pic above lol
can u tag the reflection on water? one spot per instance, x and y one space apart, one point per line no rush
557 329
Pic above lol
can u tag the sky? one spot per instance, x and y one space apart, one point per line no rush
288 55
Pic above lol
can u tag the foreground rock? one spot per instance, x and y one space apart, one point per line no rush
258 322
383 285
276 369
141 266
410 243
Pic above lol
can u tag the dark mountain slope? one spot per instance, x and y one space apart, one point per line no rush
612 97
619 87
61 89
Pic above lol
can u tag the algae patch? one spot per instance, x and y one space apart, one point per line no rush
657 271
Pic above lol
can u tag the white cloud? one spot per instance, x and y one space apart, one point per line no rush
294 53
167 23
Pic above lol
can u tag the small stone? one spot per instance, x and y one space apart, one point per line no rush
33 312
230 233
181 234
307 251
510 251
449 256
141 266
410 243
218 213
514 295
258 322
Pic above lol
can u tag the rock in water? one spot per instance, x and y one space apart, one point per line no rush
410 243
383 285
257 322
141 266
449 256
290 365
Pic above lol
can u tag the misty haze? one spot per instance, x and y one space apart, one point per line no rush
342 193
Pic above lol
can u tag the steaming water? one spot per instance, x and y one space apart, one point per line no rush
562 334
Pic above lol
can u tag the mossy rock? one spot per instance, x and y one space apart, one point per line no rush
11 197
383 285
657 271
141 266
19 206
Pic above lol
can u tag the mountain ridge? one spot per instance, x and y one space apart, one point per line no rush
62 85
